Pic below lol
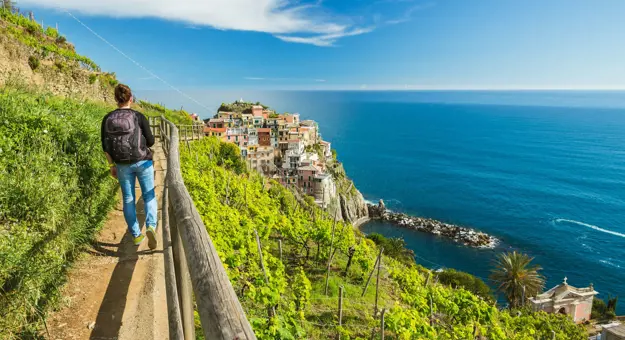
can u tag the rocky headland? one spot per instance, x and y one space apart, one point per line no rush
466 236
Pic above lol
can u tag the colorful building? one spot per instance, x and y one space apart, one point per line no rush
306 179
264 136
567 300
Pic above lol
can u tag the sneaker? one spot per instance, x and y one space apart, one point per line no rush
137 240
152 242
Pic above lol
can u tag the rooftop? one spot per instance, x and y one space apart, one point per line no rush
616 330
563 290
308 168
264 130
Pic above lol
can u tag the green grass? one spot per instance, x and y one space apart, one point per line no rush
55 192
46 42
175 116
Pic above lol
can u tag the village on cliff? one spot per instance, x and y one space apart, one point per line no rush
280 146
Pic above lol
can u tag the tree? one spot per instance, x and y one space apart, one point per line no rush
516 277
458 279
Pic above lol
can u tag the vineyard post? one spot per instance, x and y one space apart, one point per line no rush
340 306
382 324
372 270
377 285
272 311
431 311
188 146
280 246
553 335
428 279
330 254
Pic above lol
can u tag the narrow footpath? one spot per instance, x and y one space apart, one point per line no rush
116 290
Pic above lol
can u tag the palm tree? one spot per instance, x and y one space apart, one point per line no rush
516 278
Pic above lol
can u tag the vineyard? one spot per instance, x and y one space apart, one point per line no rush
316 278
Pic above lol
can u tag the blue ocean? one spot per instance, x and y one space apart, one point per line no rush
543 171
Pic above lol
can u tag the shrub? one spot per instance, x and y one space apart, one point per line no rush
51 32
34 30
393 247
56 192
458 279
33 62
61 39
92 78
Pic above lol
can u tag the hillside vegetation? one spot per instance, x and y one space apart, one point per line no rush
55 192
235 203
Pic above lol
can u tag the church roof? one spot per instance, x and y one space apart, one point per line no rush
563 291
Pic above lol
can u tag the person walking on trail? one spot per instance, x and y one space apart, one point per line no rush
126 141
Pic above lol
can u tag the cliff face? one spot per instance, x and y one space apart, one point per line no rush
53 73
349 201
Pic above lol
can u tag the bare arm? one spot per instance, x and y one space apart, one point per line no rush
111 164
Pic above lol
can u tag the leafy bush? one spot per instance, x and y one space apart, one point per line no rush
52 32
393 247
61 39
33 62
467 281
603 311
175 116
55 193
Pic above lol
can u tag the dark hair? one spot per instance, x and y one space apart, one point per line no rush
122 94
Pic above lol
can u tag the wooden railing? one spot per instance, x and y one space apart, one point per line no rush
192 266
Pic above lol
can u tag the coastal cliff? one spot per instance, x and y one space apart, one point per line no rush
350 202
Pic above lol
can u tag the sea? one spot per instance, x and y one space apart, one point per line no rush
544 171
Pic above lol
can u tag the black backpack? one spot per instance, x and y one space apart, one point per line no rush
123 138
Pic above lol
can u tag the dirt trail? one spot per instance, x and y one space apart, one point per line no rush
117 291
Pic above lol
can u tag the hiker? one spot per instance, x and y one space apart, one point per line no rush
126 141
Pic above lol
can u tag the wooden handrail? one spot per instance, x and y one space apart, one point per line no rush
191 250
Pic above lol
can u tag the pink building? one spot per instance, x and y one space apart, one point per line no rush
567 300
306 180
257 111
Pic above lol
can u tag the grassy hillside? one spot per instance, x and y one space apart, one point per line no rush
233 203
55 192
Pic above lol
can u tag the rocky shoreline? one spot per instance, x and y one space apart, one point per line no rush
466 236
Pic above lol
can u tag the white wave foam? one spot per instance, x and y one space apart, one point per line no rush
560 220
610 263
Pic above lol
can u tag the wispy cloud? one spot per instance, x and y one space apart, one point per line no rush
289 20
324 39
407 16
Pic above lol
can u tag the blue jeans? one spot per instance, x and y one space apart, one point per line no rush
127 175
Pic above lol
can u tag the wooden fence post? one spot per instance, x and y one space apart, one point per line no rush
171 288
272 310
431 311
183 282
377 285
372 270
280 246
382 324
330 254
341 305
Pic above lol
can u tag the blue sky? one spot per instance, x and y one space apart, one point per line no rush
351 44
